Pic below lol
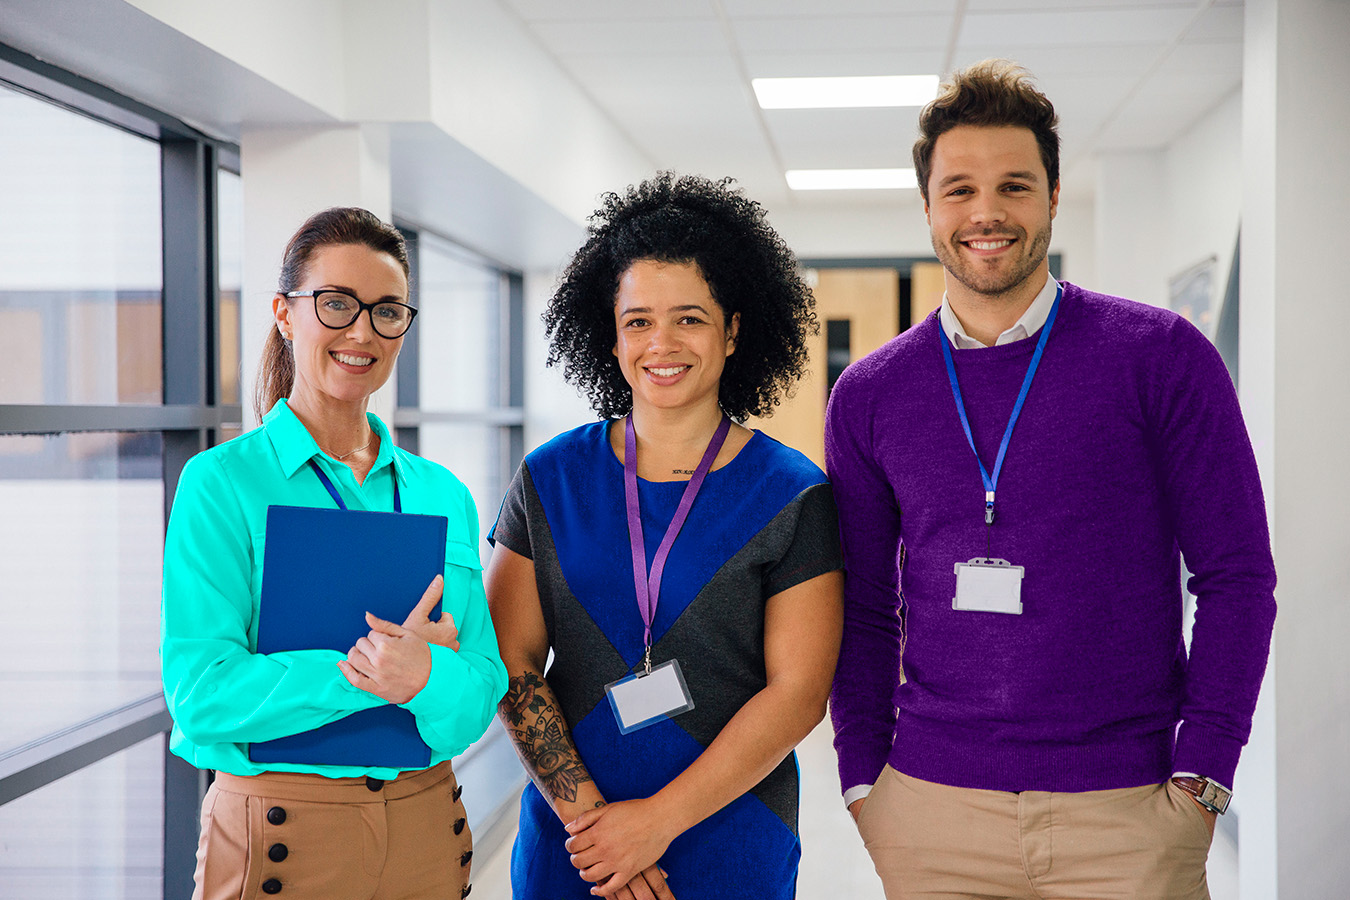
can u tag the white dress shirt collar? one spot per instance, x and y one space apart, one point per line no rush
1030 322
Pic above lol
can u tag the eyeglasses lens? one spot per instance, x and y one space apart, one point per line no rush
338 310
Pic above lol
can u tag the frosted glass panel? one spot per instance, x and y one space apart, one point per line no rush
459 317
473 453
81 543
96 834
80 259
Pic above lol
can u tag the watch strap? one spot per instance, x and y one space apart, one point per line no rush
1207 792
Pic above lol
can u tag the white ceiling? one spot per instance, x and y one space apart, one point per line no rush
675 75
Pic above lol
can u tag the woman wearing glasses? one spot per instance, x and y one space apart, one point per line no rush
666 541
314 829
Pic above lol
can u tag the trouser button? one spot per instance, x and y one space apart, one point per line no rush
276 815
464 860
374 784
459 825
465 892
278 852
454 795
272 886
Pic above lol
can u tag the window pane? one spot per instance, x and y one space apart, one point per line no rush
473 453
97 832
81 543
230 192
80 258
459 318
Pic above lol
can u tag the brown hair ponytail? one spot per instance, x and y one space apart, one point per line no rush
338 225
276 373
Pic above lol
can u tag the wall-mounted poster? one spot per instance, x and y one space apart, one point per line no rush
1192 292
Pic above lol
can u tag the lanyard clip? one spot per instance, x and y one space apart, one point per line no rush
647 659
989 507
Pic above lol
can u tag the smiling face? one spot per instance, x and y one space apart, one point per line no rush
673 337
990 208
342 365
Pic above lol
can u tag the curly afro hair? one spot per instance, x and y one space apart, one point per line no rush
748 267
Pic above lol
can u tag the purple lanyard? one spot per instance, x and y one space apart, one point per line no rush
649 587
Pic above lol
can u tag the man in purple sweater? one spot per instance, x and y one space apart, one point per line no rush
1047 734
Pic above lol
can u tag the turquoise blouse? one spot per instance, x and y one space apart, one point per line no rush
221 694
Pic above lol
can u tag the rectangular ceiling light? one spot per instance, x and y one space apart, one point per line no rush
851 179
831 93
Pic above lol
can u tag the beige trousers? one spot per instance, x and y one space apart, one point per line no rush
305 836
937 842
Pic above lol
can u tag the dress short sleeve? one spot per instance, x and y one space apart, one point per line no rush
512 528
814 549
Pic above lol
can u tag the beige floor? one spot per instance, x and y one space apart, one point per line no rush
834 864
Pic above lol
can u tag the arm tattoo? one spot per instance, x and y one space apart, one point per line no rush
540 734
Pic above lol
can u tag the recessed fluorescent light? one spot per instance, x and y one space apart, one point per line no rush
826 93
851 179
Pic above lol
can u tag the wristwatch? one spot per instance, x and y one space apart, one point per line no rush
1207 792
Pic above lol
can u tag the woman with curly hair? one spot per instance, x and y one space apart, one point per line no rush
682 569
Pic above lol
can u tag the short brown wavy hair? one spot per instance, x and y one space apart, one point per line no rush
994 92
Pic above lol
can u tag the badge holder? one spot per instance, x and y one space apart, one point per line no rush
989 585
643 699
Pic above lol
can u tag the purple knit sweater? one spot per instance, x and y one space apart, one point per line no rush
1130 452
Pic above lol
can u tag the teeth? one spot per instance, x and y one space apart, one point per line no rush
353 360
666 373
989 245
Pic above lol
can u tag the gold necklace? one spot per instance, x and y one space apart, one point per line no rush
344 456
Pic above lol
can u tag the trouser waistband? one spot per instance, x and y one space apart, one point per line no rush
309 787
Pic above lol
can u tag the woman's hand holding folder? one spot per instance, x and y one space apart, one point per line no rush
393 661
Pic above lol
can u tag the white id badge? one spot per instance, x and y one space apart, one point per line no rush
989 585
642 700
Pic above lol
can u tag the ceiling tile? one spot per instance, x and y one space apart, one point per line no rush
843 138
636 38
782 8
1217 24
1044 61
782 64
1105 26
1163 108
848 33
1220 61
662 74
1061 6
610 10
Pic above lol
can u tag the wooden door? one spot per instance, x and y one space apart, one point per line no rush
864 305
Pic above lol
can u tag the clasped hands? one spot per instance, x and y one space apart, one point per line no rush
617 846
393 662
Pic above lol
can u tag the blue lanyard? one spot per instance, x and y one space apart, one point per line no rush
991 482
337 498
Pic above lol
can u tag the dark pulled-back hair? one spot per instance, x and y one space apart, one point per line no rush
994 92
749 270
331 227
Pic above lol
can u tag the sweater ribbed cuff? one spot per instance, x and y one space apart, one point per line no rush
1207 752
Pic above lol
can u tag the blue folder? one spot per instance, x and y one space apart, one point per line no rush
322 570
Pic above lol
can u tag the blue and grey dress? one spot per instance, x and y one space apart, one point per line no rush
763 523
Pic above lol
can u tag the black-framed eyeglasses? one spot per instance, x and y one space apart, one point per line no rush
339 309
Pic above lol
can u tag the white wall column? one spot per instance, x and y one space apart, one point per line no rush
1293 377
288 175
